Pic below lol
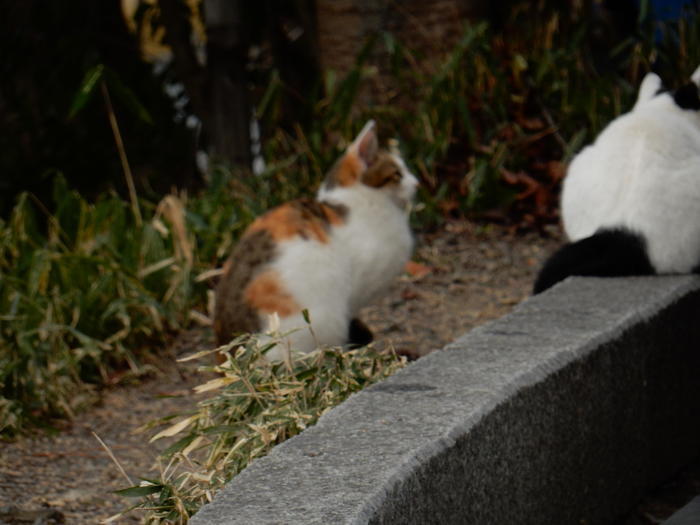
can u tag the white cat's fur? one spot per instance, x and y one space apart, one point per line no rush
642 174
362 258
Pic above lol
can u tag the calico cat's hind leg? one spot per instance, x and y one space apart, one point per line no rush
607 253
359 333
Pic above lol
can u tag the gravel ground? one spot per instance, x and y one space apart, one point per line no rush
467 274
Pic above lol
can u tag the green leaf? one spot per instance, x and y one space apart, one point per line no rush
643 11
272 90
178 446
305 374
574 145
136 492
87 88
39 271
221 429
127 96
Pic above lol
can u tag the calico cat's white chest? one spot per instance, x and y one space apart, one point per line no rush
376 240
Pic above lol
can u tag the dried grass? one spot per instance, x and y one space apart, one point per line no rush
85 292
255 405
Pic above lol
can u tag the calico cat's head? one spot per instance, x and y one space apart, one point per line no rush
685 97
364 165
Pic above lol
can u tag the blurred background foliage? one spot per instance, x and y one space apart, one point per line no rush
219 109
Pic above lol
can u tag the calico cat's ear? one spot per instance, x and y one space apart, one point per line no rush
365 146
650 86
359 156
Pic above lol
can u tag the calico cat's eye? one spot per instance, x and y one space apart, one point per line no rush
385 172
393 176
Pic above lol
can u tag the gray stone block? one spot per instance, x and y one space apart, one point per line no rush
565 411
688 515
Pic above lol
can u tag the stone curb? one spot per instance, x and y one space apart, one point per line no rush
565 411
688 515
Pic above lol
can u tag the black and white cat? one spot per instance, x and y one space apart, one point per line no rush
630 202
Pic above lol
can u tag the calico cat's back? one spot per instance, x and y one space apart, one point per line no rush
302 218
251 285
232 312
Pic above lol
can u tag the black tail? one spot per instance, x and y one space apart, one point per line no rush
607 253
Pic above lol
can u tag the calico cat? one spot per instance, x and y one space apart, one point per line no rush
631 201
329 256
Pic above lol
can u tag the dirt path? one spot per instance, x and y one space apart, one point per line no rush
472 274
72 473
475 274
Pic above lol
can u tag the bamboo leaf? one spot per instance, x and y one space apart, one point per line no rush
139 491
174 429
215 384
126 96
87 88
178 446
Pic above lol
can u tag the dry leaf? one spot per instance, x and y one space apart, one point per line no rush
216 383
417 270
407 294
174 429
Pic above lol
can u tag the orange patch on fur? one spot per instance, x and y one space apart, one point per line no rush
279 222
315 230
334 218
266 294
348 170
298 218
